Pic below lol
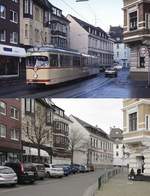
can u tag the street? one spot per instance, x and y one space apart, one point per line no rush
95 87
74 185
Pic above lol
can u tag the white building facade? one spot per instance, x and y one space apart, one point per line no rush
99 151
91 40
121 51
136 118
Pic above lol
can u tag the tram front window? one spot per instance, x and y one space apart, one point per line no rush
37 61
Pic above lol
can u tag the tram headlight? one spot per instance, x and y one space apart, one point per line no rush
35 75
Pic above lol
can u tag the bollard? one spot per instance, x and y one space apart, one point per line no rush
99 183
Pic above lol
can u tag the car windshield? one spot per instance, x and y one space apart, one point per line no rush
37 61
6 171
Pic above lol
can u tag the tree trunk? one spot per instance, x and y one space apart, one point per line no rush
72 153
39 155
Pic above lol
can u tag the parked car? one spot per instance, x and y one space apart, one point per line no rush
111 72
25 171
74 168
7 176
39 171
66 169
52 170
82 169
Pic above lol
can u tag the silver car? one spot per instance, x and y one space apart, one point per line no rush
7 176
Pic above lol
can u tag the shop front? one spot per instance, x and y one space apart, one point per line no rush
12 62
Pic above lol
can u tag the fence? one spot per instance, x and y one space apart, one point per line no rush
104 178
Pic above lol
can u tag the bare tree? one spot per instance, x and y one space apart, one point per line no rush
77 141
35 130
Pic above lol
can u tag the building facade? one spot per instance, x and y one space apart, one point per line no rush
10 130
37 122
42 24
136 122
121 51
98 151
120 150
91 40
136 36
11 53
61 124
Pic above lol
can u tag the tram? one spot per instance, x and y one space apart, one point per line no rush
48 65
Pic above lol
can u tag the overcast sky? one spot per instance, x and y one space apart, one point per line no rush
107 12
105 113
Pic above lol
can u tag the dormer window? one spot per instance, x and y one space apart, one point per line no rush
133 21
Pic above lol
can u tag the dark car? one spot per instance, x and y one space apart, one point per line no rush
26 172
111 72
74 168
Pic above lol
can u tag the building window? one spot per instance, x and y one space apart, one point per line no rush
26 31
2 131
49 117
133 21
2 108
14 37
14 134
2 11
117 154
117 146
142 62
29 105
147 119
13 16
133 121
14 113
2 35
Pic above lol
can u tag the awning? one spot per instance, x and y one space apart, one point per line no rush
6 50
34 152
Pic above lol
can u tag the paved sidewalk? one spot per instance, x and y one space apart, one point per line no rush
120 186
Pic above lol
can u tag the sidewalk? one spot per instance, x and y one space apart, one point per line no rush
120 186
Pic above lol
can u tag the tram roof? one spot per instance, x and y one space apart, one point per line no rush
51 49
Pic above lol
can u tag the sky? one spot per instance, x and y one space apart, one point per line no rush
108 12
105 113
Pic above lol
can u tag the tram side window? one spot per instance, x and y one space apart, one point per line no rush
65 61
84 61
9 66
76 61
54 60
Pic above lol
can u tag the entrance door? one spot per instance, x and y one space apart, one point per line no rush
140 163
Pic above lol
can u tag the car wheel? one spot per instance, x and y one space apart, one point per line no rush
12 185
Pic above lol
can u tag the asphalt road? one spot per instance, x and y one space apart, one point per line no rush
96 87
74 185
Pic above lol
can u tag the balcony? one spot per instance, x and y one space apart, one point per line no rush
136 137
136 35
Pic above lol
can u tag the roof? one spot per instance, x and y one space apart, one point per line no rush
92 129
116 33
116 133
86 25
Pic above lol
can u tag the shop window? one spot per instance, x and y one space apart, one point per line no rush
9 66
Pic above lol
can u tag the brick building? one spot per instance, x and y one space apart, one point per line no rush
10 130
